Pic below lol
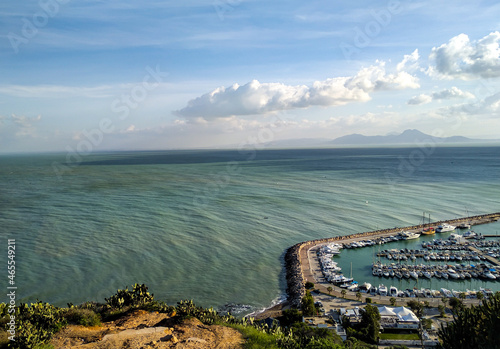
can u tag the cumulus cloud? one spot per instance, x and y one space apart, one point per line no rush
409 62
25 125
420 99
464 59
454 92
260 98
487 106
19 125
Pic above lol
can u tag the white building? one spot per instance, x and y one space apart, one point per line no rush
399 317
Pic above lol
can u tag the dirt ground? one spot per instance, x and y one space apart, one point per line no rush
141 330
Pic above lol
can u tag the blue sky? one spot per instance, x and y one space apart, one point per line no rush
104 75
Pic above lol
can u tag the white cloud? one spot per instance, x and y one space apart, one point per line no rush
23 125
420 99
454 92
261 98
409 61
487 106
462 59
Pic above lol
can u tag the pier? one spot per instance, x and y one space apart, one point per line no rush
490 259
301 268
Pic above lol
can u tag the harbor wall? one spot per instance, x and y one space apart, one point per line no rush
294 268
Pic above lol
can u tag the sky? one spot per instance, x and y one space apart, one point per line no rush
95 75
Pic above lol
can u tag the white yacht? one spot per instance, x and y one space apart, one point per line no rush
489 275
408 235
365 288
446 293
453 274
445 227
393 291
382 290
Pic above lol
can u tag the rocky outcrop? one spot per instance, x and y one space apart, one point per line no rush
294 278
142 329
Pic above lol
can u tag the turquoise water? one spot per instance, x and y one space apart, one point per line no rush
214 225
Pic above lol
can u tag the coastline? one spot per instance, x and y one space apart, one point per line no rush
298 266
279 304
271 312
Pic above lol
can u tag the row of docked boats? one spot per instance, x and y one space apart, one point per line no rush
444 271
410 235
453 244
330 269
444 255
392 291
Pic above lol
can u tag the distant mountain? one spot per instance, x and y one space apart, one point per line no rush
407 137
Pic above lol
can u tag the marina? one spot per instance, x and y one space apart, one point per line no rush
427 266
385 264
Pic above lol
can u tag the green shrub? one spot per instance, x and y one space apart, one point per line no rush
307 305
290 317
84 317
159 306
255 338
136 297
187 309
35 324
309 285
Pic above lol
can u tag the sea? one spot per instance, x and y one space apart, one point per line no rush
213 225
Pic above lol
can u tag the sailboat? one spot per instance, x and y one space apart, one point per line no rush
428 230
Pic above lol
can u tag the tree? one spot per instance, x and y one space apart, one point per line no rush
456 304
426 323
329 289
417 308
475 327
444 300
308 307
343 293
309 285
359 296
480 296
441 310
370 323
290 317
462 295
393 301
310 337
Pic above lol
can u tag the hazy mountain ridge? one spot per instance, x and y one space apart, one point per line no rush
407 137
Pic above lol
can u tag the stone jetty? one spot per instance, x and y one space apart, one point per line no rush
297 263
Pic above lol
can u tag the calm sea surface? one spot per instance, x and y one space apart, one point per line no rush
213 225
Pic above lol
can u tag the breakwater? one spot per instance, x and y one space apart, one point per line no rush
297 264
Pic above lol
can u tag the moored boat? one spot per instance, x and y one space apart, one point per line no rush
445 227
382 290
428 231
408 235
